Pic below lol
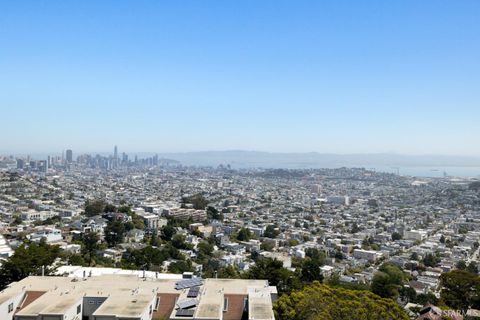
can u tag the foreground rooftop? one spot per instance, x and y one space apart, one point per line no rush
108 294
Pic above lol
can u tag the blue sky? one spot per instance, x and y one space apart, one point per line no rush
290 76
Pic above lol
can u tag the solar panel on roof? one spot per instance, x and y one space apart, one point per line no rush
193 292
188 283
184 313
187 303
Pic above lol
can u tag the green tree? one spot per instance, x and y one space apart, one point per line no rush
472 267
273 271
90 244
271 232
388 280
168 232
293 242
180 266
461 290
429 297
316 255
461 265
214 214
146 258
27 260
407 294
396 236
109 208
229 272
125 209
338 254
16 221
137 221
205 248
76 260
267 245
321 302
114 233
178 241
198 201
94 207
355 228
431 260
311 271
244 235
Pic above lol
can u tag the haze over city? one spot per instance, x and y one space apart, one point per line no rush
275 76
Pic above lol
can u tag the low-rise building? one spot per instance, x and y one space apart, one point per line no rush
136 297
368 255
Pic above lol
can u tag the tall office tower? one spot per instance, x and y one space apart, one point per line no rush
69 156
115 157
42 166
20 163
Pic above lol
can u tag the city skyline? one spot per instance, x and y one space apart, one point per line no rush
424 166
274 76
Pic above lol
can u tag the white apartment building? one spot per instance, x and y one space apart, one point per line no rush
123 296
415 235
33 215
185 214
368 255
50 235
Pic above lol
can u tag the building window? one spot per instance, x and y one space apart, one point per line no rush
10 307
79 309
91 302
225 304
157 303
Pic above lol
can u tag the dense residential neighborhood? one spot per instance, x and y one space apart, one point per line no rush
403 238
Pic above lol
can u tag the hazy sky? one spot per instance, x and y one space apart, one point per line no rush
292 76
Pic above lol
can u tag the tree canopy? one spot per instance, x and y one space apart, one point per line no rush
388 280
27 260
461 289
114 233
244 235
198 201
273 271
214 214
431 260
271 232
94 207
326 303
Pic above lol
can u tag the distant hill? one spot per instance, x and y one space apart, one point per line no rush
250 159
